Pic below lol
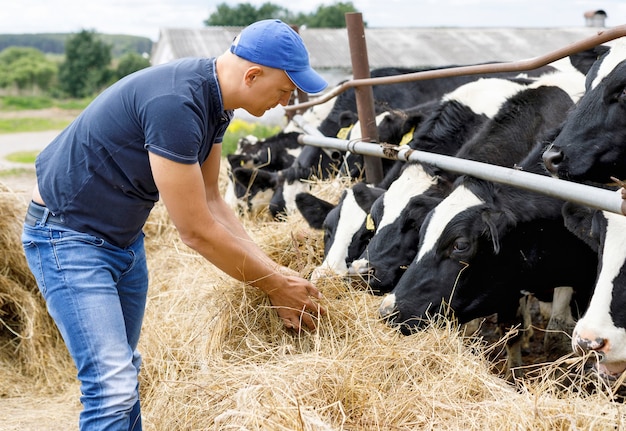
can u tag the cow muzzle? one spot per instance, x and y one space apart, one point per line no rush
599 348
552 158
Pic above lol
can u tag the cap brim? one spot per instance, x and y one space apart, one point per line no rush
308 80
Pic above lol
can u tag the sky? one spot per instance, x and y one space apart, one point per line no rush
146 17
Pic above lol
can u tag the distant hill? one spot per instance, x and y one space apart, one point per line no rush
54 43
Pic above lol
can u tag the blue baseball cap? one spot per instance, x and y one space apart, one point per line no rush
273 43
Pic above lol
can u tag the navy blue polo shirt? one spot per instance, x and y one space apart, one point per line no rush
96 173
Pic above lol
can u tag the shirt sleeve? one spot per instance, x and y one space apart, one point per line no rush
173 128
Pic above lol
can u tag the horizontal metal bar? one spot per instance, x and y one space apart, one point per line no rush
574 192
603 36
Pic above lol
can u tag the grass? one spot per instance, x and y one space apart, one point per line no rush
20 103
34 122
9 173
23 156
31 124
236 130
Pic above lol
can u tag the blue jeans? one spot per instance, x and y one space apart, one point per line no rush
96 293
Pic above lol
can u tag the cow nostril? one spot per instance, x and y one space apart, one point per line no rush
387 309
360 274
360 268
552 157
586 345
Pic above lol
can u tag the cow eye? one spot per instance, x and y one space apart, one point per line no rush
622 95
461 245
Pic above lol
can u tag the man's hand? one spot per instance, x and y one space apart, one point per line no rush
294 303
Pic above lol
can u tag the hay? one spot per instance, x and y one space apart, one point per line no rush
12 263
216 356
32 354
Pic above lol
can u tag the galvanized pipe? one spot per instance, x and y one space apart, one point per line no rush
603 36
574 192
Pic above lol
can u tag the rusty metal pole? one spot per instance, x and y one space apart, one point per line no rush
365 94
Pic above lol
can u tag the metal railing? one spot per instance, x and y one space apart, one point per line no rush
574 192
603 36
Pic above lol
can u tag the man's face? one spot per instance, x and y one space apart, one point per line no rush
268 88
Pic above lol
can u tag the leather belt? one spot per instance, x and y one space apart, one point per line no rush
39 213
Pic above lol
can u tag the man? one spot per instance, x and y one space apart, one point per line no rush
156 134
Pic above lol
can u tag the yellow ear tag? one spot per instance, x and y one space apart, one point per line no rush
407 137
241 162
369 223
344 131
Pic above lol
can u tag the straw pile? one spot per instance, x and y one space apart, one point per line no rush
32 354
216 357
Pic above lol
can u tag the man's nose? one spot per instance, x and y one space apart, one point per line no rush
285 99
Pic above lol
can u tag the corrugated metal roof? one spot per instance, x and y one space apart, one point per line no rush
399 47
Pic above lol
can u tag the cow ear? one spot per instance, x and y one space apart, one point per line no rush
347 118
239 160
365 195
313 209
578 219
412 122
492 220
259 177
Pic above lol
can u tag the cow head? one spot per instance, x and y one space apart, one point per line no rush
254 188
396 218
602 330
592 143
480 248
345 233
459 234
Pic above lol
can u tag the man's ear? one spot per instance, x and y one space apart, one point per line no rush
252 74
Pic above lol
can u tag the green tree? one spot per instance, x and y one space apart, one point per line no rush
333 16
26 69
129 63
244 14
86 67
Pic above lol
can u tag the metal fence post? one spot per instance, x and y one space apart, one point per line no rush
365 94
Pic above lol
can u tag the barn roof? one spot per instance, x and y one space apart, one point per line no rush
399 47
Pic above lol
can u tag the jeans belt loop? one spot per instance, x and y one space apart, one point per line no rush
44 217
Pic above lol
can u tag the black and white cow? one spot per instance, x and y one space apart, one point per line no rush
326 162
506 138
482 247
252 167
592 145
592 148
317 163
258 158
345 226
442 131
602 329
342 224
